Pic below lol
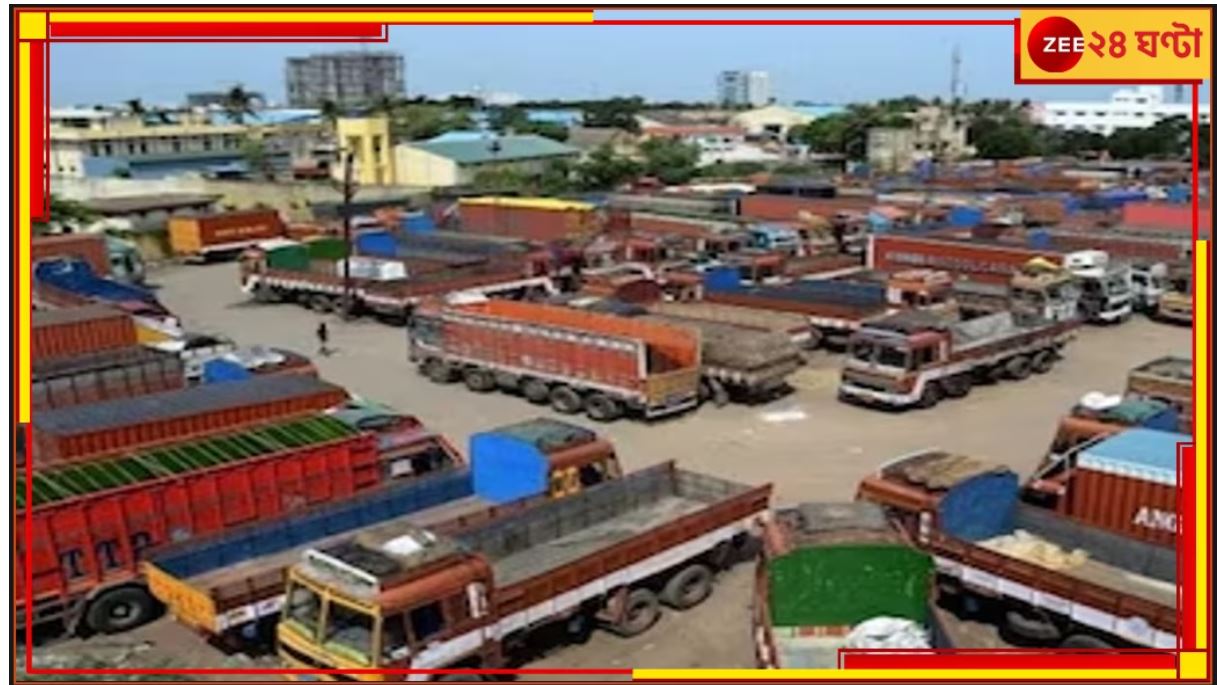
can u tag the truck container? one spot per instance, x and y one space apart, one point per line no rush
92 521
1166 217
571 359
539 219
825 569
228 582
788 208
672 203
103 428
916 358
87 247
1052 580
469 596
65 333
269 276
795 326
982 261
1168 379
1129 245
199 237
103 376
71 282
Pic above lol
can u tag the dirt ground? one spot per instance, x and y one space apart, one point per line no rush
810 446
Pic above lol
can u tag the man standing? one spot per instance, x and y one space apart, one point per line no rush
323 339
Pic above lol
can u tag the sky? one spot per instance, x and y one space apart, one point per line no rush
813 63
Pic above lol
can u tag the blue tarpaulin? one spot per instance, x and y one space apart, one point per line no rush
376 244
417 222
721 278
76 276
965 216
224 371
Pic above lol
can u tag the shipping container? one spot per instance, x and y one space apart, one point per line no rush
1123 245
88 247
93 521
788 208
572 359
1127 484
539 219
983 261
92 430
104 376
199 236
60 333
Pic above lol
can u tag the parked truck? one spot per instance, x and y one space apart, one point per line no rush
103 376
74 331
1106 287
95 521
1176 303
570 359
397 595
204 236
916 358
230 585
1038 288
1053 580
794 326
283 271
1168 379
828 573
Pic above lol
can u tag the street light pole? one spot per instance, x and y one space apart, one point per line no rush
348 192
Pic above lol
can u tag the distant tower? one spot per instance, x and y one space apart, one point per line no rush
1179 93
956 79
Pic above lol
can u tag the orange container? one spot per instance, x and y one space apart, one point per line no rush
985 262
198 235
1124 504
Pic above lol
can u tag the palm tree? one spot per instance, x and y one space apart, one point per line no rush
135 106
330 113
238 103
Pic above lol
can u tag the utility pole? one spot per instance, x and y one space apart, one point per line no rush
348 192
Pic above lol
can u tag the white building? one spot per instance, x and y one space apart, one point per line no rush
1141 107
740 88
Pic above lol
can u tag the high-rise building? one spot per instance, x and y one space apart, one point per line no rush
349 79
743 88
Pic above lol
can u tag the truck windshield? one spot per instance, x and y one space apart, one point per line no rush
348 633
879 353
1116 285
303 610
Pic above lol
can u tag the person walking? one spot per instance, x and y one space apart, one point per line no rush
323 339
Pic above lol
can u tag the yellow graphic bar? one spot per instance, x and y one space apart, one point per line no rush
1200 326
24 229
422 17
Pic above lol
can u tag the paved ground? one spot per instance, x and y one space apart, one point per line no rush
808 444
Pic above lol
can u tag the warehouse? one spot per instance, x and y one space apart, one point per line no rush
450 162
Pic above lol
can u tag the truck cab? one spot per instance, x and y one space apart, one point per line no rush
1106 288
775 238
1149 283
1175 304
886 356
1043 289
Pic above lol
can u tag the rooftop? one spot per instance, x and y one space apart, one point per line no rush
509 148
130 204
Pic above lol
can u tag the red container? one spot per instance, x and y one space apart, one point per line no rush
193 235
1168 218
985 262
92 430
82 543
787 208
60 333
1122 504
105 376
541 225
88 247
1123 247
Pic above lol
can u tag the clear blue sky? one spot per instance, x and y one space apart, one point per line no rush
818 63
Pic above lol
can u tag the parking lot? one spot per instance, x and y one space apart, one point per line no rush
810 446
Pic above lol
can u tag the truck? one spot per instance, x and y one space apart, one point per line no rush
102 376
569 359
1106 287
230 586
1176 303
87 247
65 282
71 332
1148 281
1039 288
91 430
829 572
227 233
1168 379
916 358
397 595
795 327
1051 580
275 272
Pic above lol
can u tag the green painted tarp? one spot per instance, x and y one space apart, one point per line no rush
842 585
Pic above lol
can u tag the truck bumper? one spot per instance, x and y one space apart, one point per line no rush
670 408
879 397
1118 314
1174 315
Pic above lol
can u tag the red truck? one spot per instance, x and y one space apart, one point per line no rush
91 430
917 358
70 332
1053 580
990 262
103 376
573 360
471 596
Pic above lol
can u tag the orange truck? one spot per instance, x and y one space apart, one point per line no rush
570 359
1168 379
200 237
461 596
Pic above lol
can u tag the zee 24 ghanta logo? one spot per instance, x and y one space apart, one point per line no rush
1057 44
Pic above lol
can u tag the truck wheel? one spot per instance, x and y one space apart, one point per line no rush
579 627
266 295
815 339
438 371
535 391
479 380
958 386
1042 361
603 408
640 612
1018 368
320 304
689 587
1084 641
565 400
930 395
120 609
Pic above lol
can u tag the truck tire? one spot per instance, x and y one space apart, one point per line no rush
438 371
1084 641
641 611
120 609
958 386
688 587
267 295
321 304
535 391
479 380
1018 367
930 395
565 400
815 339
601 407
1042 361
1022 626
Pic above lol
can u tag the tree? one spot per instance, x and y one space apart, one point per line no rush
422 121
824 135
669 160
613 113
257 157
605 170
1004 138
135 106
330 113
67 215
385 104
238 103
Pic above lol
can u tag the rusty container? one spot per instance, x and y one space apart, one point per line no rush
985 262
104 376
90 248
61 333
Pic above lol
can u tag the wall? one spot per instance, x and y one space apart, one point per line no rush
419 168
1168 218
